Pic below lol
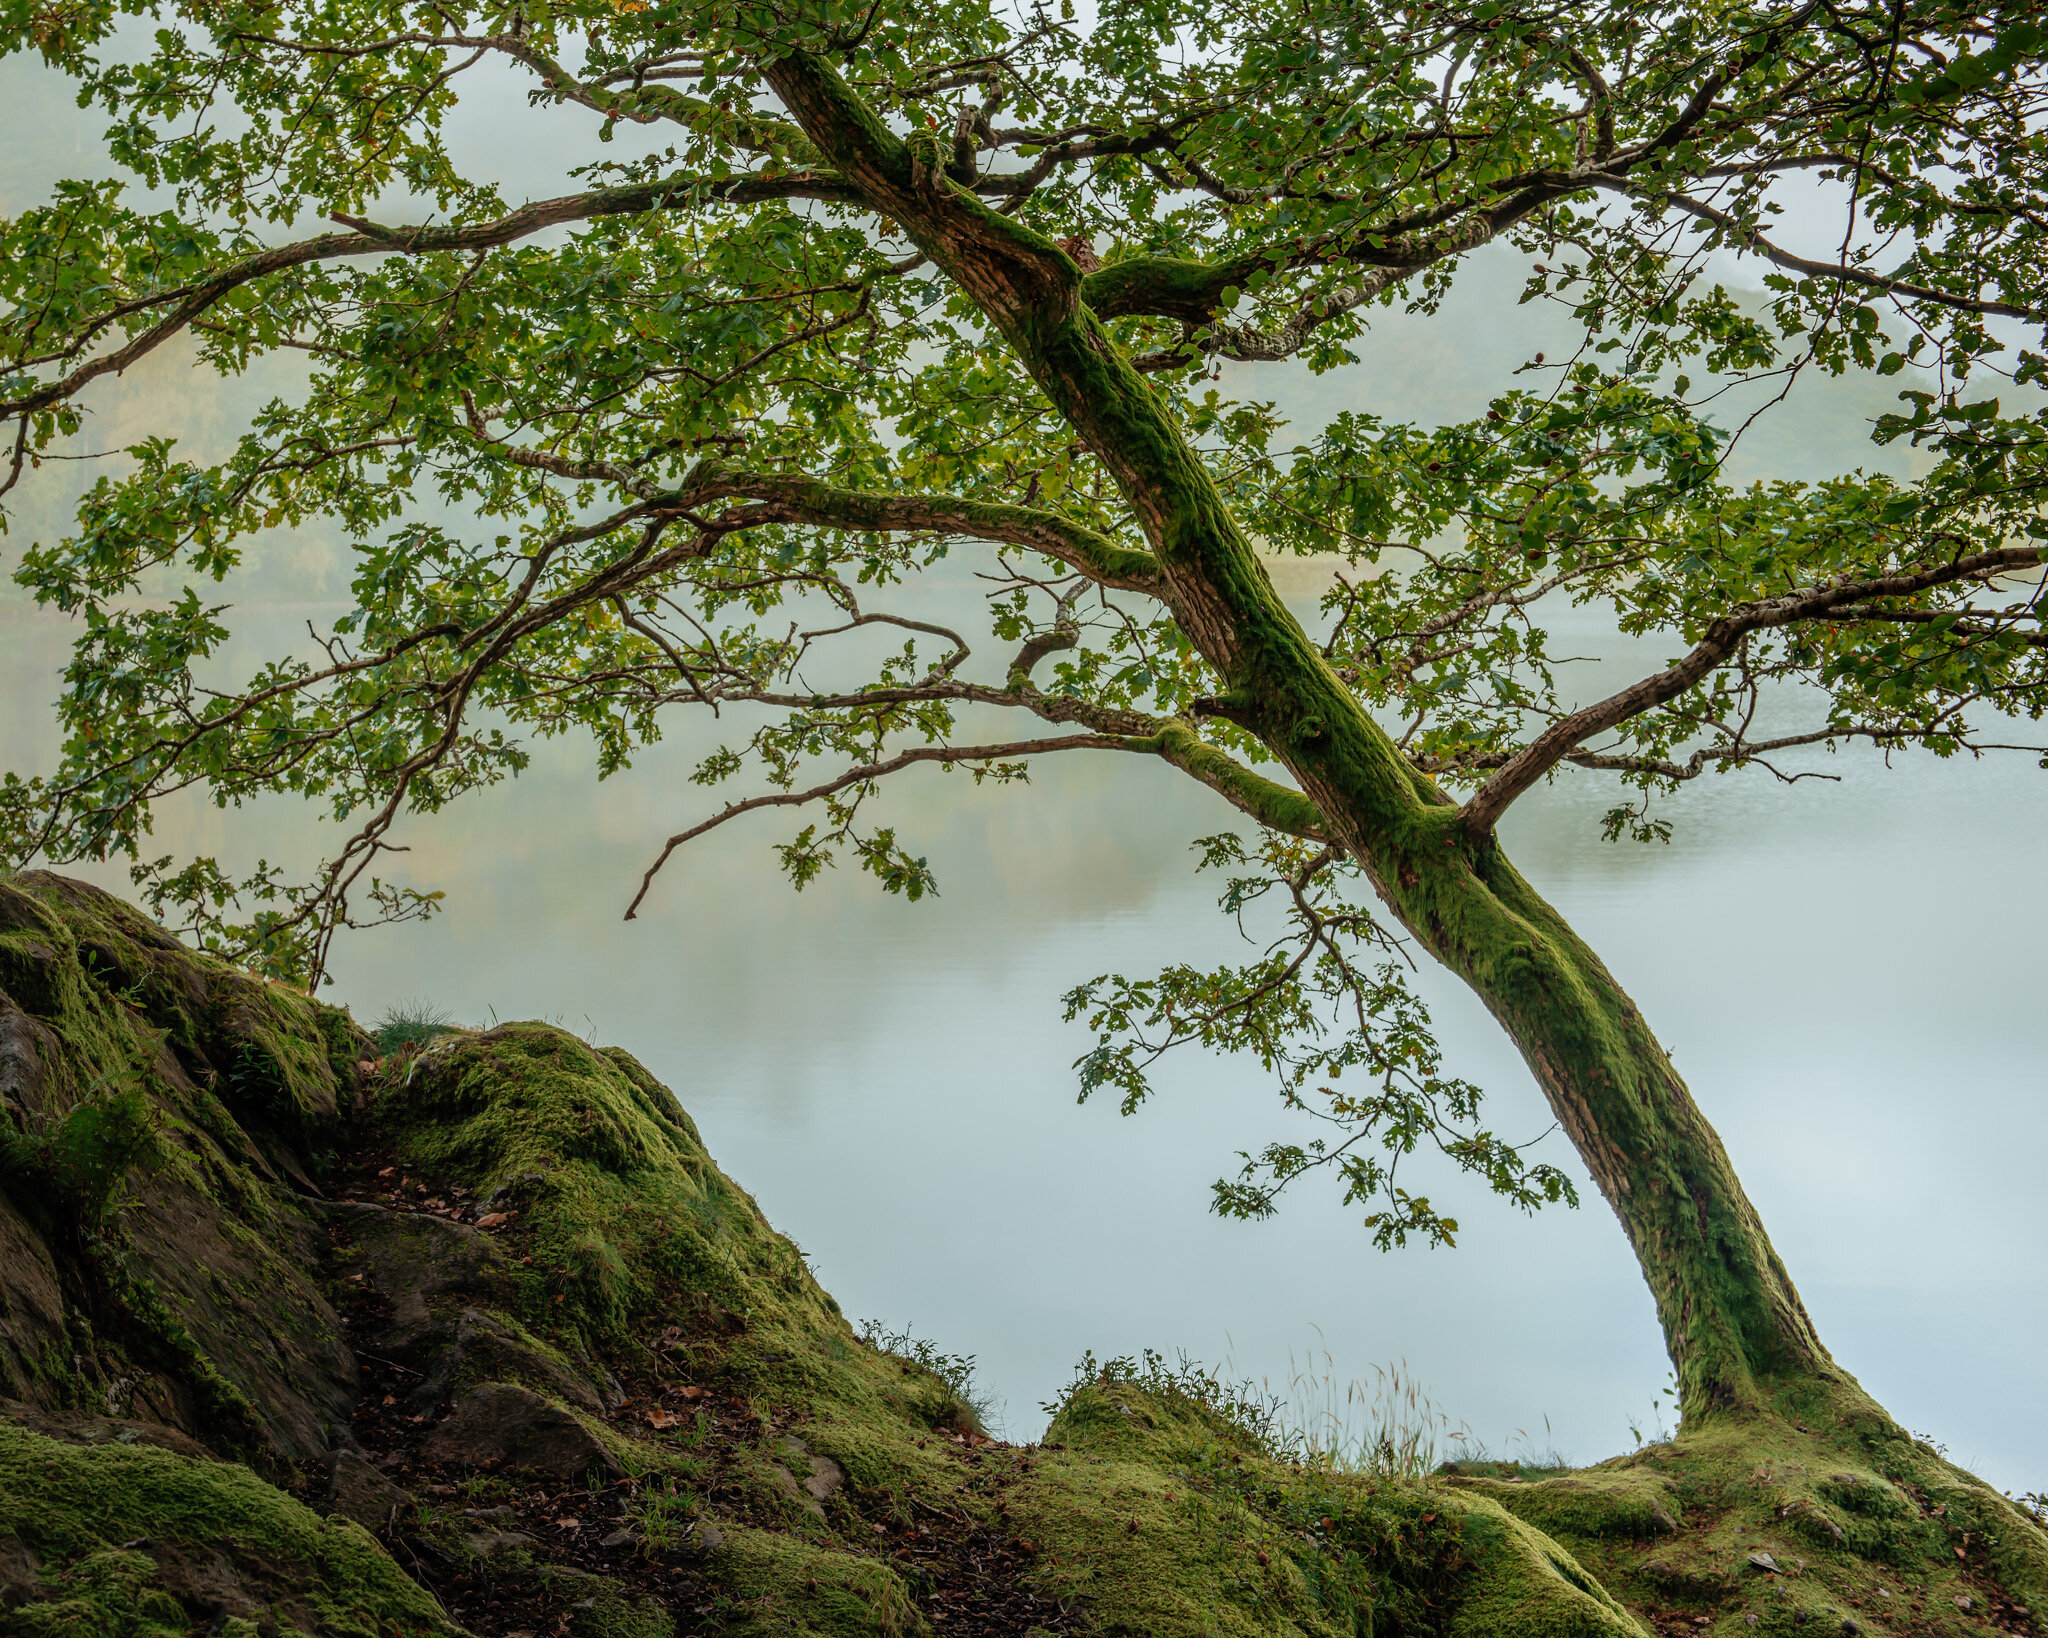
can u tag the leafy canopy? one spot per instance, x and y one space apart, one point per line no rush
680 437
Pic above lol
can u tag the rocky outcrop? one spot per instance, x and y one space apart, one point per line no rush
502 1426
300 1338
200 1307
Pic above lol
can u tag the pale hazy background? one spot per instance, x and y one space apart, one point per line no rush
1850 975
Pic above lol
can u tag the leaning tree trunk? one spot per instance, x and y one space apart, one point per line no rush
1732 1321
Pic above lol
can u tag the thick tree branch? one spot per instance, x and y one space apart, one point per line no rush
809 501
1526 767
1191 292
1967 622
1004 265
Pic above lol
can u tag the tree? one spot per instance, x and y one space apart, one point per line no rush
885 278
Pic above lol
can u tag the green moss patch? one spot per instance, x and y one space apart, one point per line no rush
773 1583
1156 1505
1766 1523
126 1539
630 1240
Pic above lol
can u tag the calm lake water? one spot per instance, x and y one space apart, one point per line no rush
1850 974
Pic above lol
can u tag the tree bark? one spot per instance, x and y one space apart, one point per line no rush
1733 1323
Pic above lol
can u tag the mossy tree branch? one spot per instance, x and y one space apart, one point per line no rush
1836 602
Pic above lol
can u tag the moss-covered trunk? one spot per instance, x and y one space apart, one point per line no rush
1731 1318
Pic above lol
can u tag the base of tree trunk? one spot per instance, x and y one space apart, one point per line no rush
1819 1515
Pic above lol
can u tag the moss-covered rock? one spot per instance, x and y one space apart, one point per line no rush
1773 1522
1159 1509
178 1282
128 1539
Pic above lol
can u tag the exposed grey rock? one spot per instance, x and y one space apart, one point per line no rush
418 1262
18 1567
827 1476
490 1543
356 1490
414 1258
823 1476
297 1367
500 1423
76 1427
785 1481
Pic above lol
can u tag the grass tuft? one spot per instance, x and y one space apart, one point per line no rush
1385 1425
412 1023
955 1370
664 1513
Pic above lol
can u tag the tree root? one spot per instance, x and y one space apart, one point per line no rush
1795 1520
1520 1582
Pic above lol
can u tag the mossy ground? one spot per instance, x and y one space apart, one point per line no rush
1147 1510
225 1551
326 1253
1165 1514
1817 1516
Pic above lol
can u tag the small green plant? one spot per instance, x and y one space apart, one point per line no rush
1656 1426
955 1370
411 1024
76 1162
663 1513
1243 1404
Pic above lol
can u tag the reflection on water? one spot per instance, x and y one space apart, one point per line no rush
1849 974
